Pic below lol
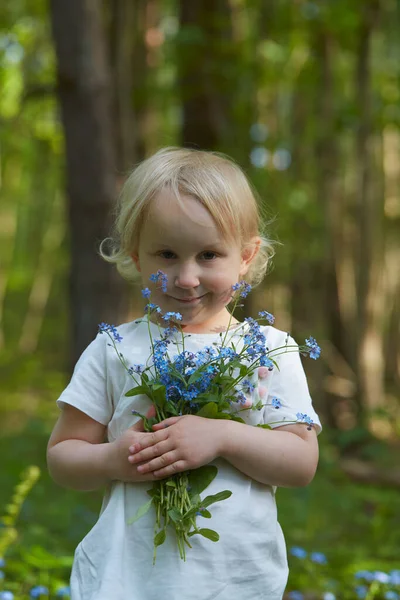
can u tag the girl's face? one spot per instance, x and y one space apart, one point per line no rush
201 265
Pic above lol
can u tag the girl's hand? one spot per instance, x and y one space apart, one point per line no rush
118 466
177 444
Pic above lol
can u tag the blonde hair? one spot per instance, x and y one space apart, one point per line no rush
210 177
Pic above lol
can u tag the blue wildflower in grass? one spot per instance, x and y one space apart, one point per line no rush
63 591
381 577
394 577
361 591
1 575
160 277
391 595
2 563
146 293
6 595
298 552
172 316
243 288
295 595
370 576
266 315
38 591
315 350
276 403
319 558
328 596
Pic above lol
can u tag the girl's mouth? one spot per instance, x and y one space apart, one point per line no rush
193 300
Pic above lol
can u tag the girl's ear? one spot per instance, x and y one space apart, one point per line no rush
135 259
249 253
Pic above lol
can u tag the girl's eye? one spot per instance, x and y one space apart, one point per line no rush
167 254
209 255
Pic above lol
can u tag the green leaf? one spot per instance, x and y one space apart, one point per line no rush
264 426
171 483
205 513
159 395
139 389
199 479
149 423
210 534
209 411
175 515
141 511
195 377
223 415
159 538
170 410
243 370
238 419
196 500
216 498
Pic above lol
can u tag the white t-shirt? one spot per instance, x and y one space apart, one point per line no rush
114 561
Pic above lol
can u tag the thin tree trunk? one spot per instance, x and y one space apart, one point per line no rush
202 72
329 192
41 286
123 34
370 218
97 292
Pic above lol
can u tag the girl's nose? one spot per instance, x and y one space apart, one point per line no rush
187 276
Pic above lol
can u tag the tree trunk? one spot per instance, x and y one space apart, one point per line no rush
97 292
370 294
124 34
202 71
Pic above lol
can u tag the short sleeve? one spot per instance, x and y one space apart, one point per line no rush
288 384
88 389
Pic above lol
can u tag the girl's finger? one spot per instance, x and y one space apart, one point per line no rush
148 439
151 452
262 391
161 462
166 423
176 467
262 372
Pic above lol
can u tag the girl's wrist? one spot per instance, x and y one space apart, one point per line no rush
226 433
108 461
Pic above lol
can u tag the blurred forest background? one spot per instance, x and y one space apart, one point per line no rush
306 97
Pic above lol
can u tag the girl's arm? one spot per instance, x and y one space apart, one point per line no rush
79 458
286 456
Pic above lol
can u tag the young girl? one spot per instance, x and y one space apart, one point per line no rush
192 215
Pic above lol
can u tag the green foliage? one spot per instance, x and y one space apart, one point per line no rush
25 568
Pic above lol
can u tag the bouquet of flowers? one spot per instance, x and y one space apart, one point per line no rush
214 383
